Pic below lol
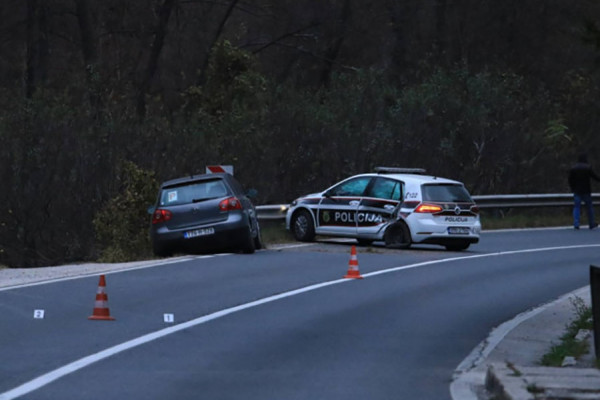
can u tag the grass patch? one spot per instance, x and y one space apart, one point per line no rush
534 389
274 232
514 369
568 345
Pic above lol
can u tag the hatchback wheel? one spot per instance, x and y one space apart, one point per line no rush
248 245
397 236
161 251
258 244
303 226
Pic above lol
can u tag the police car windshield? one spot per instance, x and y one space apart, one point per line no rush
446 193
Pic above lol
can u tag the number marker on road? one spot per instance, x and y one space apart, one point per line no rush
169 318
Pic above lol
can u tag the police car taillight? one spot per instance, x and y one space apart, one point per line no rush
229 204
428 208
161 216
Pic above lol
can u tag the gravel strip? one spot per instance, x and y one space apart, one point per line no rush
22 276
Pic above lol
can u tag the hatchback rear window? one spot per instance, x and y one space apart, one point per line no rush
446 193
193 192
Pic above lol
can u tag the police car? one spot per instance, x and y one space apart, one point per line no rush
400 206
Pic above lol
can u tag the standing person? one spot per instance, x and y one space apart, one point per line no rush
580 177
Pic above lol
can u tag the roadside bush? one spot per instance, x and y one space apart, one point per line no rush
121 226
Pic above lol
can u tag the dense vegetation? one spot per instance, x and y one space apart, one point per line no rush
102 99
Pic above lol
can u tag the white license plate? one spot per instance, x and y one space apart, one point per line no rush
199 232
457 230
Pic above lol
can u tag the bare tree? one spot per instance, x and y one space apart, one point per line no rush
88 47
37 46
159 38
211 44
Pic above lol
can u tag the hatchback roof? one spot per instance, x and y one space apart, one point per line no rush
192 178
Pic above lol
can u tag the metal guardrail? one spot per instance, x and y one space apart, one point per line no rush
278 211
595 293
275 211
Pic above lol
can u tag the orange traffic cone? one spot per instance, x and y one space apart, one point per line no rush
353 272
101 311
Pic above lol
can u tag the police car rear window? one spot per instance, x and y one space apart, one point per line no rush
446 193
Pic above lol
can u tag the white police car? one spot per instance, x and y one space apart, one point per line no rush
401 206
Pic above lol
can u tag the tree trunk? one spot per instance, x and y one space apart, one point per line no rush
219 30
88 48
334 50
157 45
440 30
37 47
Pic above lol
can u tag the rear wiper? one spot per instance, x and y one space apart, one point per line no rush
204 199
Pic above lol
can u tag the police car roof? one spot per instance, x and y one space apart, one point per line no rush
417 179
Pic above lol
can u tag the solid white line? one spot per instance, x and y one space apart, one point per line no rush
288 246
58 373
50 377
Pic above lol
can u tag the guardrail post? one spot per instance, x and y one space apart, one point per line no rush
595 289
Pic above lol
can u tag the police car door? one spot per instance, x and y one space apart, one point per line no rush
380 202
336 213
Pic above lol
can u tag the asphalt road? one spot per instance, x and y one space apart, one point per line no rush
283 324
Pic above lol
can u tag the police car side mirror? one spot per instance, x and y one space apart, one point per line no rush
327 194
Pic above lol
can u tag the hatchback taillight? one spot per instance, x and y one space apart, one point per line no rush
161 216
230 204
428 208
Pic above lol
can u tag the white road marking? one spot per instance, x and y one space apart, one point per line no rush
288 246
75 366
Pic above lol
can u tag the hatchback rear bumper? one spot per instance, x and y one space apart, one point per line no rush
229 234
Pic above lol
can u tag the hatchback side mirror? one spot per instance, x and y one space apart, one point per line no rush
252 193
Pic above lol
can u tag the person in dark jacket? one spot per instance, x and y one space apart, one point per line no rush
580 177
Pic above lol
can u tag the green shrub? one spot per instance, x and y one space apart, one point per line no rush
121 226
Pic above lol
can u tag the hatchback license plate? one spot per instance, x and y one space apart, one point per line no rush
456 230
199 232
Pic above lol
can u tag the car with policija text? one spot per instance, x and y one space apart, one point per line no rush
400 206
204 213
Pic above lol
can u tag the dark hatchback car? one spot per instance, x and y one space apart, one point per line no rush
204 213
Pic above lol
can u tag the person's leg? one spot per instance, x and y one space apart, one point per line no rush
590 210
576 210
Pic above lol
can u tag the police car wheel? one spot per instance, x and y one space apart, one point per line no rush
365 242
397 236
303 226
